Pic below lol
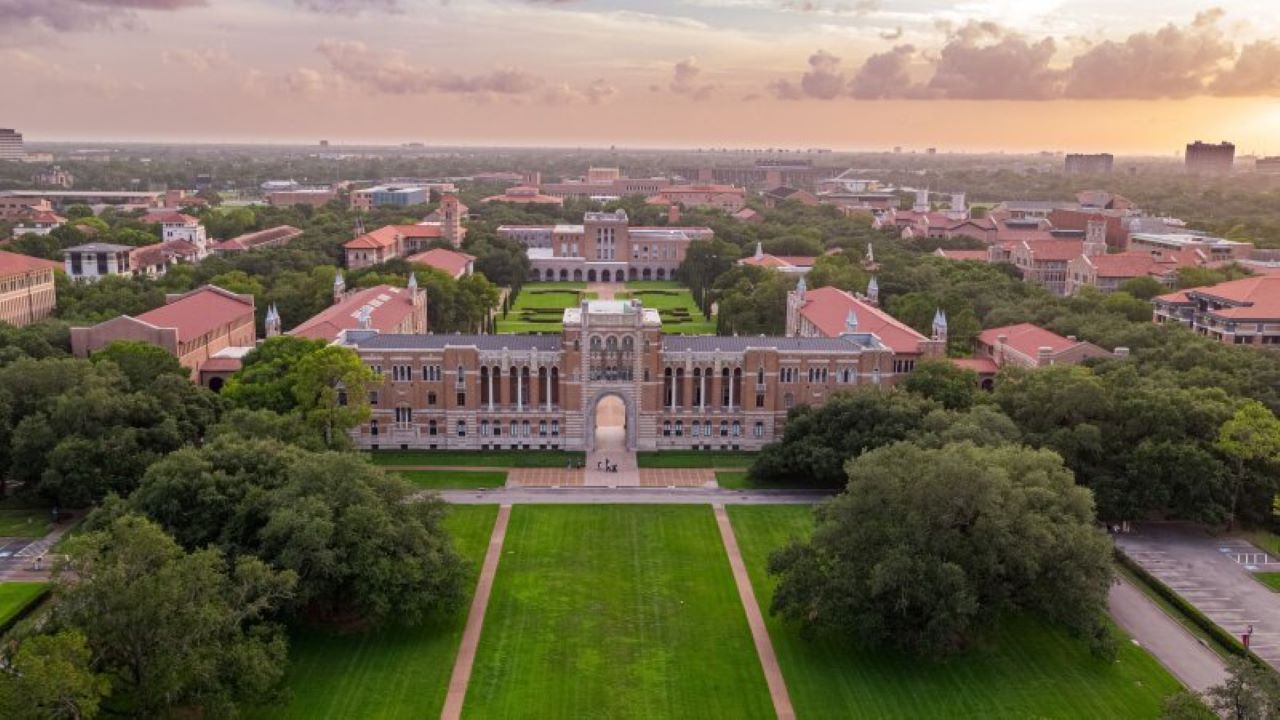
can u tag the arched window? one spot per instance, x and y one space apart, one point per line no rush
724 428
462 428
679 428
373 428
706 428
542 428
595 342
760 375
628 344
611 343
431 427
666 428
484 428
737 429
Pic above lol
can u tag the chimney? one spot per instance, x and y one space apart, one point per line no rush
673 214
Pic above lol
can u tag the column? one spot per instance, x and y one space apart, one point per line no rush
671 401
547 387
490 374
702 392
730 389
519 390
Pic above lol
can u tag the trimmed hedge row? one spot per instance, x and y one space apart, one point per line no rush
1222 637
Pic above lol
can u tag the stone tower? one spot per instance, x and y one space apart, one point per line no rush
795 301
339 288
1095 237
940 326
272 322
451 219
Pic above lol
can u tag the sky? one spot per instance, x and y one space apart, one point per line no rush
1136 76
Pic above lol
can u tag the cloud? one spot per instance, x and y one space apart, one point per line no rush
72 15
51 75
198 60
894 34
1172 62
596 92
348 7
884 75
823 81
1256 72
986 61
684 80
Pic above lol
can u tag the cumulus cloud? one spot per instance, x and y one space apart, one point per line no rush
685 80
348 7
198 60
596 92
985 61
1171 62
70 15
1256 71
824 80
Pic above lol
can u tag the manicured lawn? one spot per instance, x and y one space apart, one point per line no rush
1026 670
674 303
695 458
1270 579
395 673
16 596
539 308
21 519
476 458
454 479
615 612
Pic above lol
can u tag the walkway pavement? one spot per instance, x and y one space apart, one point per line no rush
1210 573
1180 652
20 564
605 291
466 658
755 620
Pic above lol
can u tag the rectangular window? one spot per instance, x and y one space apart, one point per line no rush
373 397
461 400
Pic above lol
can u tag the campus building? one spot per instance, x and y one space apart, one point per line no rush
605 247
194 327
395 241
545 391
1208 158
1239 312
27 291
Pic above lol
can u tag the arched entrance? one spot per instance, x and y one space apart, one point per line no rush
611 425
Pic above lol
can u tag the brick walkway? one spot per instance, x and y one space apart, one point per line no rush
462 665
677 477
544 477
759 633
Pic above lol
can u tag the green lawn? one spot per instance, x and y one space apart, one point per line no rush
1027 670
16 596
674 303
476 458
454 479
539 307
1270 579
396 673
23 519
615 612
695 458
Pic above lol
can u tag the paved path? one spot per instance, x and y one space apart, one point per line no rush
1180 652
759 633
1210 573
475 620
605 291
19 565
633 496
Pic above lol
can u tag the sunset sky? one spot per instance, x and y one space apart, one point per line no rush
1096 75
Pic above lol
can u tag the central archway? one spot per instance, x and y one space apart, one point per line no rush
610 423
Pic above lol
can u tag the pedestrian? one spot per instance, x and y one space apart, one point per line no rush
597 465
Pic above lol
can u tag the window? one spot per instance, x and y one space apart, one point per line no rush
515 428
706 428
666 428
788 401
431 372
462 377
373 428
431 427
342 397
724 428
373 397
737 429
462 428
555 428
377 370
758 430
679 428
431 398
524 428
404 415
542 428
695 429
484 428
461 400
401 373
759 400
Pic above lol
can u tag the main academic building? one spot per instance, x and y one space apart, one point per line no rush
673 391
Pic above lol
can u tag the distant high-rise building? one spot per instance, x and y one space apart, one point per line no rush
11 145
1268 165
1206 158
324 143
1096 164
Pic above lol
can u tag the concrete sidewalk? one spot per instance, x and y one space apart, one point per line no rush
1180 652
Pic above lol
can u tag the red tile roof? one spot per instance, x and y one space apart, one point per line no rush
1026 339
1259 297
386 236
779 261
279 234
1054 249
169 217
980 365
390 307
43 217
828 307
13 263
450 261
221 364
200 311
979 255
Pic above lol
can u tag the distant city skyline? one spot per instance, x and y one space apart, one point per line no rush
1143 77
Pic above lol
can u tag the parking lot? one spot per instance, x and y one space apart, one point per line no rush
1214 575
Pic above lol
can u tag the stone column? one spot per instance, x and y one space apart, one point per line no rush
519 389
547 387
731 389
490 389
702 392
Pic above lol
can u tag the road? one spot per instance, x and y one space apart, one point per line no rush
1181 653
633 495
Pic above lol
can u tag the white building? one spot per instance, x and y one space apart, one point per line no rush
90 262
11 145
